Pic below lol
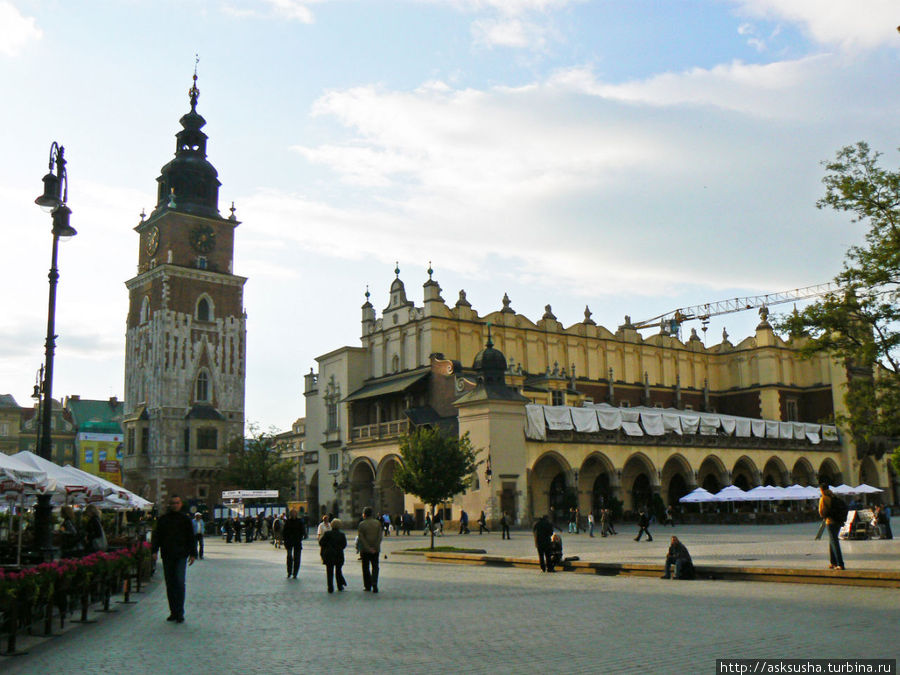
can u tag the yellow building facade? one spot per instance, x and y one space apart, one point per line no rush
414 366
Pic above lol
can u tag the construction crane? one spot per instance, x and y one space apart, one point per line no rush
670 322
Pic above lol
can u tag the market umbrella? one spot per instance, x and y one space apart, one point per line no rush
864 489
17 475
698 496
732 493
843 489
115 494
798 492
766 493
68 486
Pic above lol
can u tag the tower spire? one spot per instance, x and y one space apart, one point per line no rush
194 93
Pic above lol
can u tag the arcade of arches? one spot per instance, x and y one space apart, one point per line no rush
374 486
555 482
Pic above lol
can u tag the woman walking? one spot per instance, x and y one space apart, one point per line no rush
332 544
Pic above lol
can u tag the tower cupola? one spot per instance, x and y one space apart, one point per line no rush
189 183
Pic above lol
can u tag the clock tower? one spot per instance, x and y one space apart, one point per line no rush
186 334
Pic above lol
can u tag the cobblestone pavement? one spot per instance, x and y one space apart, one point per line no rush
791 545
243 616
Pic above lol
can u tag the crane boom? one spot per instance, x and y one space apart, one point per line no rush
675 318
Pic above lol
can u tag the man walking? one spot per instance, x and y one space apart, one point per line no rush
323 527
369 536
463 522
643 524
543 532
504 526
293 533
174 535
833 522
198 533
482 524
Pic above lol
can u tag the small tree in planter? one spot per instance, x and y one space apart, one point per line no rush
435 467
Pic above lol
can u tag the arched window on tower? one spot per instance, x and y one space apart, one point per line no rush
145 309
205 309
202 388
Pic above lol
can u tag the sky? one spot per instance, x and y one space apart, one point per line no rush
626 155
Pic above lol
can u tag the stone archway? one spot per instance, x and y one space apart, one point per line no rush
548 485
828 471
596 484
390 497
745 475
775 473
362 486
803 474
868 472
712 474
677 478
638 482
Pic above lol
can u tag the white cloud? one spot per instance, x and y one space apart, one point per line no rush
571 180
16 30
786 89
851 25
292 10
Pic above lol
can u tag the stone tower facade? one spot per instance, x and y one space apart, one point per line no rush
186 332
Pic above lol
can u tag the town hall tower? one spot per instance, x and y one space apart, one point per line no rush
186 333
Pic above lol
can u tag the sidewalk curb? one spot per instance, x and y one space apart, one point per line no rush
870 578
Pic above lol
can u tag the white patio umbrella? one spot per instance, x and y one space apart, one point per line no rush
69 487
843 489
116 494
798 492
18 476
732 493
864 489
766 493
697 496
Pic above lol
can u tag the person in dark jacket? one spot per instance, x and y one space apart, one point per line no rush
293 534
883 520
679 557
94 536
332 545
174 536
482 524
543 531
229 530
643 524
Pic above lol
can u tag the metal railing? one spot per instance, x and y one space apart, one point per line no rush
376 431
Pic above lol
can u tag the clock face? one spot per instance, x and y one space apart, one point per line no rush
203 238
152 240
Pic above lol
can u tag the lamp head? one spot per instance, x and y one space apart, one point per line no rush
61 227
50 199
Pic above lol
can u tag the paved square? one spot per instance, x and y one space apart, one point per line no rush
243 616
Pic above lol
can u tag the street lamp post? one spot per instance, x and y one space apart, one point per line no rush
56 192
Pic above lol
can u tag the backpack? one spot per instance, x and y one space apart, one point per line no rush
838 511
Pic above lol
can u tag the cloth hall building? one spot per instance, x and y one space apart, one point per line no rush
559 410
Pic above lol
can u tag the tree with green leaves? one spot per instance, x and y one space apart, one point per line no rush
860 323
436 466
255 463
